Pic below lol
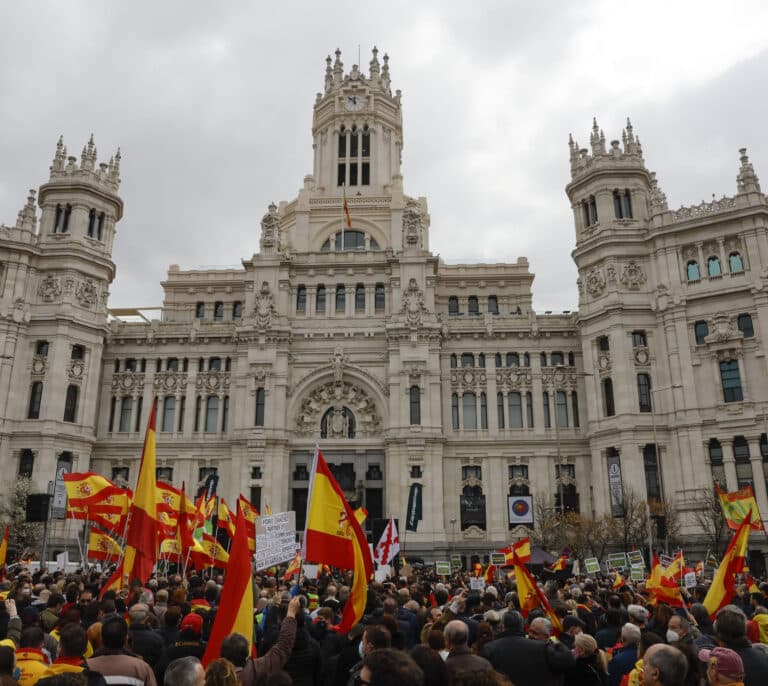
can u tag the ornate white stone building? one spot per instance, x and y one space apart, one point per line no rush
402 368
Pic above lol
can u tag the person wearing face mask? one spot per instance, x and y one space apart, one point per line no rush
679 635
374 637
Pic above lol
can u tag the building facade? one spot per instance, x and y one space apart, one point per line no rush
345 331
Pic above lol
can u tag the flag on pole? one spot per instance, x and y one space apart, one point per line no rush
249 515
560 564
141 542
267 509
293 567
490 574
389 544
676 568
618 580
235 613
224 518
86 488
521 548
334 536
737 505
531 596
347 218
101 546
4 551
723 585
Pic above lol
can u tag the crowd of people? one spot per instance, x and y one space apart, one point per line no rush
420 630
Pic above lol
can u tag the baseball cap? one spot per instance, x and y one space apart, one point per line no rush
725 661
192 622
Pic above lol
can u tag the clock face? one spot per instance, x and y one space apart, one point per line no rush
354 103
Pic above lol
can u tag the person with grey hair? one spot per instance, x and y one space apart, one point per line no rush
144 640
731 632
664 665
460 657
540 629
186 671
624 658
523 661
637 615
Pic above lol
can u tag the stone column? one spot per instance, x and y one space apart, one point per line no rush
758 475
729 462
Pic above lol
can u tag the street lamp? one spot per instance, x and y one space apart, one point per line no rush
453 536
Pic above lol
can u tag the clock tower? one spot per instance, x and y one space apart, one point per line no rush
357 129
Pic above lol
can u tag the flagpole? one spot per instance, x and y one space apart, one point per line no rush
343 221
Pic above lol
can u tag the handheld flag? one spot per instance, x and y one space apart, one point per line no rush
4 551
723 585
101 546
531 596
737 505
293 567
87 488
389 545
235 614
334 536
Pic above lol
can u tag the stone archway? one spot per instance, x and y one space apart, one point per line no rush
336 396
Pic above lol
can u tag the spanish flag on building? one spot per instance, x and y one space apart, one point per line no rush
334 536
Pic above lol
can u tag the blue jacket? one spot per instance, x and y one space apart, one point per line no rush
622 662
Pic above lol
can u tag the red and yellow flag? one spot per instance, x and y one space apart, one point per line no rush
101 546
293 567
334 536
618 581
654 581
235 612
212 554
347 218
490 574
723 585
249 515
521 548
531 596
141 540
752 587
87 488
224 518
560 564
667 592
676 568
737 505
4 551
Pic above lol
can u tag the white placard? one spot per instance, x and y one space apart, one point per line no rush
690 579
382 573
62 560
275 539
477 583
309 571
576 569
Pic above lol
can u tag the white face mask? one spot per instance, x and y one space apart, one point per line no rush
672 636
360 649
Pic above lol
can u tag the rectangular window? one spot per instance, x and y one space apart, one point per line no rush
353 174
500 409
182 409
366 169
139 406
70 403
169 409
731 380
469 410
164 474
341 174
575 408
515 406
455 411
211 414
493 304
415 403
644 398
379 297
483 411
651 468
35 400
41 348
77 353
547 416
112 405
561 407
26 463
198 411
353 144
639 339
126 408
529 408
225 414
260 406
472 472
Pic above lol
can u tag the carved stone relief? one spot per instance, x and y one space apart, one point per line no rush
595 281
412 225
264 307
49 289
86 292
413 304
338 395
632 276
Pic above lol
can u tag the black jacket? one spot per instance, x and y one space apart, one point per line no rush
305 663
529 663
755 662
147 644
587 672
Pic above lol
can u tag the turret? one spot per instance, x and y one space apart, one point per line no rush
80 201
610 188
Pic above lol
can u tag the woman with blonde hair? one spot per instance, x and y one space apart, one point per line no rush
590 669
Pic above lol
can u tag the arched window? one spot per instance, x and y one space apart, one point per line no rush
342 143
500 409
469 410
58 219
212 414
360 298
353 240
237 310
200 311
415 402
92 223
473 306
301 300
735 263
513 360
467 360
329 424
379 297
561 409
744 322
453 306
644 393
341 295
590 211
692 271
70 403
713 266
453 361
169 410
515 406
716 462
700 331
35 400
497 360
455 411
608 406
260 406
218 311
65 218
320 299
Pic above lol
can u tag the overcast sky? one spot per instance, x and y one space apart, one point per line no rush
212 106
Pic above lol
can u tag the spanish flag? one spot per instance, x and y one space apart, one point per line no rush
618 581
141 540
293 567
87 488
101 546
722 589
4 551
235 614
521 548
186 521
676 568
224 518
490 574
560 564
347 218
654 581
752 587
249 515
334 536
531 596
212 555
737 505
667 592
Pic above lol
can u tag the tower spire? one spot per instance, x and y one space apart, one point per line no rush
747 181
328 75
338 68
374 65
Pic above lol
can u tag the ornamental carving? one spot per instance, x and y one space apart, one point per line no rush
632 276
212 381
414 370
127 381
513 377
39 365
595 281
690 252
722 329
413 304
169 381
338 395
413 225
87 293
610 272
270 230
76 370
561 378
49 289
468 377
642 357
732 243
264 308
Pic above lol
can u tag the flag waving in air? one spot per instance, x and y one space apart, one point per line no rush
723 584
737 505
347 218
389 544
334 536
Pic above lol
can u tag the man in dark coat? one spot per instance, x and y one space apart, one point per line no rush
526 662
145 641
731 632
625 657
460 657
